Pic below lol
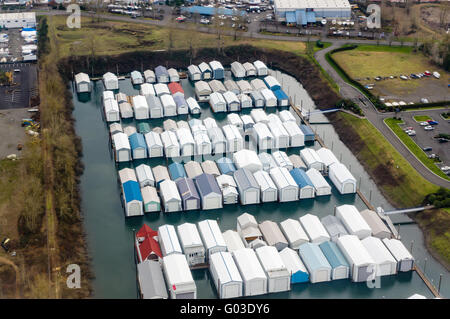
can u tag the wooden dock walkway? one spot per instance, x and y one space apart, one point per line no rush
430 286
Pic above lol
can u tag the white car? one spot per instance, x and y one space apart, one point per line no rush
423 123
403 77
428 128
411 133
436 75
204 21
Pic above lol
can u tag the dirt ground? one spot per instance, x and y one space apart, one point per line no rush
431 16
11 131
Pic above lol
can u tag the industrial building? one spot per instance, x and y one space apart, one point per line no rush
17 20
303 12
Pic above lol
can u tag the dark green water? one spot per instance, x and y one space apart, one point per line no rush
110 234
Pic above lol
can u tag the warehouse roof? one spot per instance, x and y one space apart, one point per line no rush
306 4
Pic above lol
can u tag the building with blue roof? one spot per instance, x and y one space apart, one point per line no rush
295 266
315 261
226 166
176 171
132 198
138 146
310 11
282 98
304 183
188 192
308 132
210 11
340 269
161 73
209 191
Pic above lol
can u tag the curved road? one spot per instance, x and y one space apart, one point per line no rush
346 90
375 117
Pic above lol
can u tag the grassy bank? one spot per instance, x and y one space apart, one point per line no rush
39 203
436 224
413 147
397 179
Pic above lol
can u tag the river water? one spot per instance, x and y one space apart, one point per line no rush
110 234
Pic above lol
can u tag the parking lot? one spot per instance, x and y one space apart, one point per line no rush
14 45
24 85
425 138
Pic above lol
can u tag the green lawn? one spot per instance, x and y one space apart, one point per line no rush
403 184
422 118
413 147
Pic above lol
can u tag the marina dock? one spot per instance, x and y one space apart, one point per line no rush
386 218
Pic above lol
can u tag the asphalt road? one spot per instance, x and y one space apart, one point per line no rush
18 96
376 118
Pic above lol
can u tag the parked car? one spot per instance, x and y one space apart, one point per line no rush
427 149
431 122
427 73
436 75
428 128
413 76
442 140
423 123
403 77
411 133
424 100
